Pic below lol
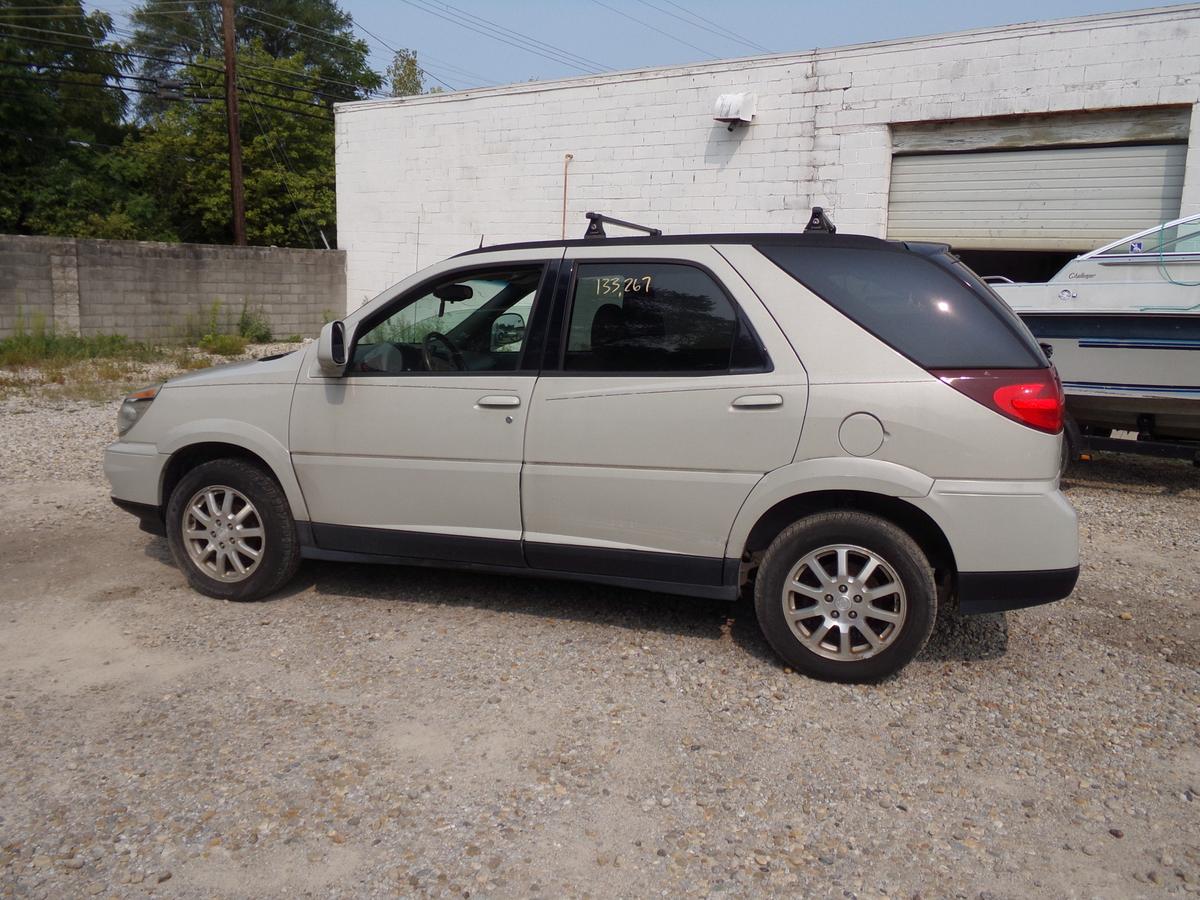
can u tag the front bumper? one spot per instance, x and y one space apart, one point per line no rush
985 592
150 518
135 471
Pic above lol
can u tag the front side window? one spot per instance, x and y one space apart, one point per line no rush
466 322
655 317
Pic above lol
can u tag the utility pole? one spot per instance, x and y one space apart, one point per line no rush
237 189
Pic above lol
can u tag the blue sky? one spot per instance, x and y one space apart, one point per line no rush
603 34
595 30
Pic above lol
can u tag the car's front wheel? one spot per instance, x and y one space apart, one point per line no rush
845 596
231 531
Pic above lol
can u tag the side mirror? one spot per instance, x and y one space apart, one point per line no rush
331 349
507 329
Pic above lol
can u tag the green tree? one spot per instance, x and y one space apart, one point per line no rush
317 31
404 75
287 156
96 192
59 101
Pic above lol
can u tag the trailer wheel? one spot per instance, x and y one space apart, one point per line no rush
1073 444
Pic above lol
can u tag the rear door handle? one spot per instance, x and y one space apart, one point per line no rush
499 401
758 401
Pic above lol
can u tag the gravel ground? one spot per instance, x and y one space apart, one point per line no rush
380 731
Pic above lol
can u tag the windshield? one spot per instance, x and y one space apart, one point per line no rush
1177 237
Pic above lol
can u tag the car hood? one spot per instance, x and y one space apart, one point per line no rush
270 370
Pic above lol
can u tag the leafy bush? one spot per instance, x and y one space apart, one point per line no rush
253 326
223 344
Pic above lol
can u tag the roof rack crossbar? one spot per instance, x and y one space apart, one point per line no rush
595 228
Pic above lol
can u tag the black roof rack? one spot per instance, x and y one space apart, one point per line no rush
818 232
818 221
595 228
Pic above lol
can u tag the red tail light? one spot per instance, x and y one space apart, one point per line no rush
1032 397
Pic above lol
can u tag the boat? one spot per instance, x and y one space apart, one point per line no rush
1123 322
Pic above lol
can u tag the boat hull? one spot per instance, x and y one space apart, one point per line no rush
1119 368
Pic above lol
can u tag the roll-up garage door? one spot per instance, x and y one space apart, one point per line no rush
1072 198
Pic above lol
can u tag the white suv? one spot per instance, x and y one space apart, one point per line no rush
851 429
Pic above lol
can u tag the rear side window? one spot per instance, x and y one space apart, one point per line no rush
938 314
639 317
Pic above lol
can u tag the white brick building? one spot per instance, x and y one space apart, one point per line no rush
882 135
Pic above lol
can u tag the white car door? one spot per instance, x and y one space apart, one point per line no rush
416 450
671 393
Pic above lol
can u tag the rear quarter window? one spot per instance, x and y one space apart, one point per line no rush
937 313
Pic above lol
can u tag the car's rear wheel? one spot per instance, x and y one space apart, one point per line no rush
845 596
230 530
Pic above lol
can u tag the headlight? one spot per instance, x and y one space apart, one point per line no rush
134 407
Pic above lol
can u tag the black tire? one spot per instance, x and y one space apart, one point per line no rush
883 539
280 546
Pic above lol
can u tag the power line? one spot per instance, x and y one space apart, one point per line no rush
677 40
133 35
184 62
719 30
250 97
57 137
734 34
179 62
205 99
69 7
519 35
321 35
455 69
497 37
34 77
394 51
184 15
334 39
26 64
245 65
287 187
316 36
57 99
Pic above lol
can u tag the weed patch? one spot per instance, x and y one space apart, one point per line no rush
223 344
253 326
34 344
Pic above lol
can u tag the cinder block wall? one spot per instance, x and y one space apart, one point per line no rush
26 278
421 178
153 291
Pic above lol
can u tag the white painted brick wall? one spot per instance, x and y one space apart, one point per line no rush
422 178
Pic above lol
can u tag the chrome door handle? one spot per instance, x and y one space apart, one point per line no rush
758 401
498 401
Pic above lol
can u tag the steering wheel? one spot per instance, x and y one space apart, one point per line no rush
436 363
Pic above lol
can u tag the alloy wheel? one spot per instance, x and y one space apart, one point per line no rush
223 533
844 602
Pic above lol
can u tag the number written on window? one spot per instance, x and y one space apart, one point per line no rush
619 284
